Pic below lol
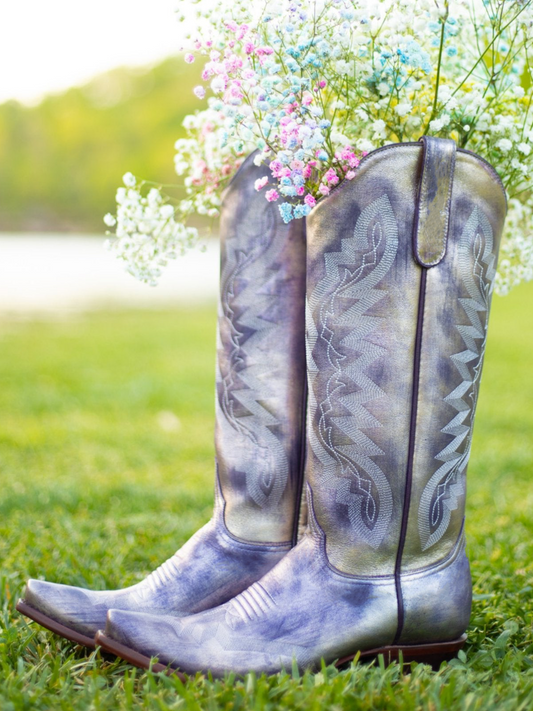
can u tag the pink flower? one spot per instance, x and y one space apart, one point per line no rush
307 171
189 58
350 175
331 177
322 83
199 91
276 167
297 164
272 195
249 47
307 99
323 189
243 29
232 25
309 200
260 183
300 190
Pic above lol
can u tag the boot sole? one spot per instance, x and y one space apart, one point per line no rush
54 626
433 654
133 657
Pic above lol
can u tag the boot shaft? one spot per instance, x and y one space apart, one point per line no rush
401 263
261 382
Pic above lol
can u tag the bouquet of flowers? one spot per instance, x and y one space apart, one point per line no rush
314 85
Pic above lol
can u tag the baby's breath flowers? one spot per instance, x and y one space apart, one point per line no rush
313 85
147 233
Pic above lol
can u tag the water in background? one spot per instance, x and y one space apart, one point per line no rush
60 274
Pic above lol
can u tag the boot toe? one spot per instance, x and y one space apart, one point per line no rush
151 635
72 607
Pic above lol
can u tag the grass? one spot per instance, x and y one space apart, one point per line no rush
106 467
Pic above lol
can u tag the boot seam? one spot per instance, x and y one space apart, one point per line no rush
391 146
410 454
223 530
319 539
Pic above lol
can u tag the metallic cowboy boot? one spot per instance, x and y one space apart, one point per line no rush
259 432
401 262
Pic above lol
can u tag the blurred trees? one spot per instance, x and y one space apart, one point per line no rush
62 160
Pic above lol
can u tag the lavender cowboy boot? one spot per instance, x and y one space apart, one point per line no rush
259 432
401 263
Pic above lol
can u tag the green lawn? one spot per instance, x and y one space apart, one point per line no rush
100 483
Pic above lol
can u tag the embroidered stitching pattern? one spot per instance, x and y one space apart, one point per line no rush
242 305
441 494
342 299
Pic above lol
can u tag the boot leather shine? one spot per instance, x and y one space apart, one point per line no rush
260 407
400 268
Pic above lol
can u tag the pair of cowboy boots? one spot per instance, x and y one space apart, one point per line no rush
396 268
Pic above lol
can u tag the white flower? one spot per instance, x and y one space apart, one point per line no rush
504 144
199 91
380 128
218 85
436 125
110 220
524 148
129 180
403 109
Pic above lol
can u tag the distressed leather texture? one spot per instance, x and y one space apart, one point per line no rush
259 427
303 610
394 358
364 287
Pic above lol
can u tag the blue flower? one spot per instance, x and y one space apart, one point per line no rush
324 123
301 211
451 51
288 190
417 57
322 155
292 65
285 210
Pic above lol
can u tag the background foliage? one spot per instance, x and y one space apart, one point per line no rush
106 428
62 160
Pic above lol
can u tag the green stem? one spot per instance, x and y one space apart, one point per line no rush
437 81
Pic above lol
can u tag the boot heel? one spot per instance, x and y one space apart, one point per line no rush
433 654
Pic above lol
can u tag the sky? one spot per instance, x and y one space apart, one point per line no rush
48 45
